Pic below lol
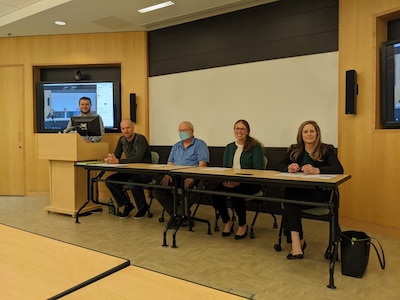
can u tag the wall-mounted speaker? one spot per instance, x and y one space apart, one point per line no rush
132 98
351 91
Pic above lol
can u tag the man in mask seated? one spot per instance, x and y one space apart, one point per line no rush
189 151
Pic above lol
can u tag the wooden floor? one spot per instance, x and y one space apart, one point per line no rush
43 268
249 268
141 284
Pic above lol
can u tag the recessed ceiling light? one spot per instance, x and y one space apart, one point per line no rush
154 7
61 23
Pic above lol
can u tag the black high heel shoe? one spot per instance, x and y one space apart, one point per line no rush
225 234
239 237
304 247
298 256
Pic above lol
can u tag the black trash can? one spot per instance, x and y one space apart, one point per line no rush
354 247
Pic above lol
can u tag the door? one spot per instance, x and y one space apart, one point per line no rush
11 131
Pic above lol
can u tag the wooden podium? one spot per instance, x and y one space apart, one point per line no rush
68 188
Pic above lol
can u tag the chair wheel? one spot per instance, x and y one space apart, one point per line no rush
277 247
149 215
252 235
275 226
216 228
161 219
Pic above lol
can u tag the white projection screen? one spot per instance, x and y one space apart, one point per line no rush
274 96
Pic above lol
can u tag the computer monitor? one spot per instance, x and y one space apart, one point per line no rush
86 125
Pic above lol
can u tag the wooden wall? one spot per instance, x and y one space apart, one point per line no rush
128 49
370 200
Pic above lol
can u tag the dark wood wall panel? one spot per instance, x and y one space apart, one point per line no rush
393 30
281 29
66 73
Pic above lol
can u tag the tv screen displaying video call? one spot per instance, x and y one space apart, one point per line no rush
59 101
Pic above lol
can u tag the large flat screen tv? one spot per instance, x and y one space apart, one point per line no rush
390 84
57 102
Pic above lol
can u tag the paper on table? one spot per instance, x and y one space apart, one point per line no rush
92 162
216 169
301 175
111 165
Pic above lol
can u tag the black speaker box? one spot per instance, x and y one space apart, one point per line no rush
351 91
132 98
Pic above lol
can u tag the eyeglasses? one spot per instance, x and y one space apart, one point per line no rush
240 129
184 130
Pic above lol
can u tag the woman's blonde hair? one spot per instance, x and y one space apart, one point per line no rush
298 148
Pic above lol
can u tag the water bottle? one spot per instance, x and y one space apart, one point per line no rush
111 207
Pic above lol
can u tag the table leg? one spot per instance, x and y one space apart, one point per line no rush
334 237
89 194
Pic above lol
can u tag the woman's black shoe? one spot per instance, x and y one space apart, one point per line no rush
297 256
304 246
225 234
239 237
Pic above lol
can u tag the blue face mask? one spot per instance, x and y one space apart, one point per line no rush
183 135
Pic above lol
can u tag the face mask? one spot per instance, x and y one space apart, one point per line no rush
183 135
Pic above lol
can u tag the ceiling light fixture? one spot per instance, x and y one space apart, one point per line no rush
154 7
60 23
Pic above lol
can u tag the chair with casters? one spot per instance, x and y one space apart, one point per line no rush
260 204
155 158
313 213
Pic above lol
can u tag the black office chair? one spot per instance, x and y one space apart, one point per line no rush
313 213
259 204
155 158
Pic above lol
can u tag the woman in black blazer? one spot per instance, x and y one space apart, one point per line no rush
310 156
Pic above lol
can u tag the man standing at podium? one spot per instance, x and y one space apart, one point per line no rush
136 150
85 105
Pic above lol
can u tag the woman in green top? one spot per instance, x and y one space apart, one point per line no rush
245 153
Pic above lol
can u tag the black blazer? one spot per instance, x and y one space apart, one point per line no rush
330 163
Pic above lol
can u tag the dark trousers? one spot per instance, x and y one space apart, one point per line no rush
292 212
120 195
238 204
166 198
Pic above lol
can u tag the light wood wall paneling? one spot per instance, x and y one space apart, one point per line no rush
129 49
370 154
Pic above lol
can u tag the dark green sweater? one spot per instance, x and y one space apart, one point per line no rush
248 160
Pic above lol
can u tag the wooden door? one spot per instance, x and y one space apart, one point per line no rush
11 131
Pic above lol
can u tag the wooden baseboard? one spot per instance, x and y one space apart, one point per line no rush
38 194
370 227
